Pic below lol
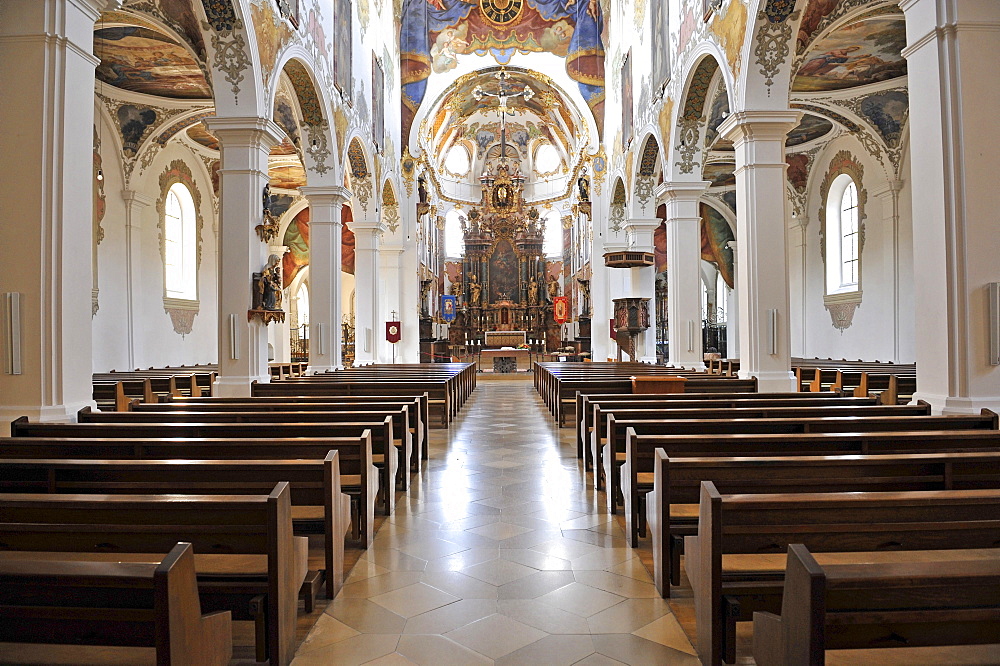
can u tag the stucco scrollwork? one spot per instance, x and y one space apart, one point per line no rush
773 37
688 134
228 45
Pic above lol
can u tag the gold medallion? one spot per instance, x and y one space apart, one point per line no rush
501 11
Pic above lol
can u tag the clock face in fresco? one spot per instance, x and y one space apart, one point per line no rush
501 11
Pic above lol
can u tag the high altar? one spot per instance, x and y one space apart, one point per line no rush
504 286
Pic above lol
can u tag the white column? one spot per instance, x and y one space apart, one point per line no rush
641 282
245 144
733 309
136 206
368 239
47 73
761 202
952 55
325 308
797 287
889 198
684 271
390 300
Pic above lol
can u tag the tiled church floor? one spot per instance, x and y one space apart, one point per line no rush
501 552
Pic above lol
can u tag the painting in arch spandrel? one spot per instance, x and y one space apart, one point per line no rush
867 51
434 34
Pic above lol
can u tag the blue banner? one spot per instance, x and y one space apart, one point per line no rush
449 308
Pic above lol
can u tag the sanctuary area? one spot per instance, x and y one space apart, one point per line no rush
500 331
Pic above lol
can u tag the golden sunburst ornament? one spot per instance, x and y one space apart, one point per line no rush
501 11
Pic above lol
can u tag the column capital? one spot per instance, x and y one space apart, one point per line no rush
681 190
890 188
759 125
136 198
326 194
250 131
642 224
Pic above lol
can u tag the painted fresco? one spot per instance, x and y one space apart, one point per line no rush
503 267
729 198
285 168
720 173
181 12
861 53
660 246
887 112
378 104
435 34
659 20
628 103
811 128
134 122
343 45
718 112
715 234
798 170
200 135
284 116
146 61
815 12
297 240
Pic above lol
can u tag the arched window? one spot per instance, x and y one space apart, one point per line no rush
180 245
546 159
457 163
552 243
454 239
843 236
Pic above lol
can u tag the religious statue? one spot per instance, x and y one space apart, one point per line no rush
456 288
270 284
533 292
583 185
553 287
269 227
585 291
422 190
475 290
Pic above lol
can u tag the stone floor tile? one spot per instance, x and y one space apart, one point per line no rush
414 599
580 599
534 559
628 616
431 650
666 630
366 617
462 586
446 618
499 531
327 630
391 580
552 651
394 659
621 585
464 559
635 650
544 617
495 636
499 572
535 585
348 652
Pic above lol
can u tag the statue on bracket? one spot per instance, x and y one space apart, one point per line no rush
269 228
267 295
553 287
583 185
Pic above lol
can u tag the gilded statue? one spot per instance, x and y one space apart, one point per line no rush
533 292
553 287
583 185
475 290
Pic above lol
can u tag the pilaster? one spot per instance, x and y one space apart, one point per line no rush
889 198
368 241
137 206
952 52
325 307
245 144
684 316
761 202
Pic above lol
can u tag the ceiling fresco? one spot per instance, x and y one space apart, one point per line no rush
864 52
435 34
720 173
811 128
202 136
284 167
146 61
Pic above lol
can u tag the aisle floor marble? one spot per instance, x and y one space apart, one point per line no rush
501 552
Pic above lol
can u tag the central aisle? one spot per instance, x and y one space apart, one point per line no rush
500 551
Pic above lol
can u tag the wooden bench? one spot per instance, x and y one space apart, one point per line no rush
318 504
736 563
769 421
587 404
671 491
247 560
358 476
114 603
110 396
416 407
877 605
216 426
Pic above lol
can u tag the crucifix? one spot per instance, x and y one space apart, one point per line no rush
503 94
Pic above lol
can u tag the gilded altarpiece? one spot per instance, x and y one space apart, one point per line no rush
504 286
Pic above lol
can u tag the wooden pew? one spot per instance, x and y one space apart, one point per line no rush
249 561
405 421
358 476
114 603
316 497
900 390
672 489
751 529
381 437
110 396
587 403
883 605
770 421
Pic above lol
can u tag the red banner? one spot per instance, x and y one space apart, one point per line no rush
560 309
392 331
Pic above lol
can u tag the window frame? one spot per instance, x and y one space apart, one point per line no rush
834 235
178 173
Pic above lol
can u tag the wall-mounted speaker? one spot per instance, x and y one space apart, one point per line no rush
234 338
12 332
993 289
772 332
